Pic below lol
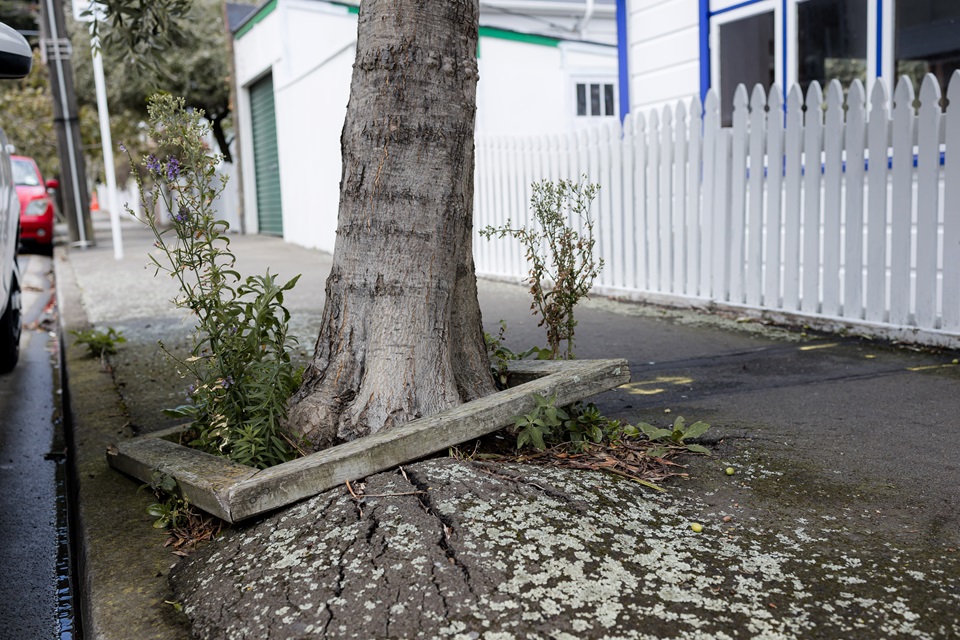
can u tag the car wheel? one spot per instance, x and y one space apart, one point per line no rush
10 332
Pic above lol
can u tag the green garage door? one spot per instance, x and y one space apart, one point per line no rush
266 163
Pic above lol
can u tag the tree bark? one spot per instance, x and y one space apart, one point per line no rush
401 334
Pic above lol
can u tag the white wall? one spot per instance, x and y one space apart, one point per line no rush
309 46
664 58
531 89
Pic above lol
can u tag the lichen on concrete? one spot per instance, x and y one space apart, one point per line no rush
503 551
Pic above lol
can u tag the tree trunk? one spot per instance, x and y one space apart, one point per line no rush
401 335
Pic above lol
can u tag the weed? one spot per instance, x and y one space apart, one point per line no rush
501 355
99 343
240 359
562 264
677 436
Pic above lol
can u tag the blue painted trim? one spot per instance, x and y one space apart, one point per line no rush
879 38
745 3
843 165
623 58
704 48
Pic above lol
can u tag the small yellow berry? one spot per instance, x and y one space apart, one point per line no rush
730 471
955 361
696 527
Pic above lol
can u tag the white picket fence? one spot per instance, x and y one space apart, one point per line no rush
843 215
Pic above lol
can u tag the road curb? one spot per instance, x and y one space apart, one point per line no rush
122 588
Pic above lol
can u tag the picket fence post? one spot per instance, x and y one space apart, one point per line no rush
928 184
854 141
951 213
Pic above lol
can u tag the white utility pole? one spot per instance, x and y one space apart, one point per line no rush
95 11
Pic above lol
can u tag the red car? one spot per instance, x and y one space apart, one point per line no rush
36 207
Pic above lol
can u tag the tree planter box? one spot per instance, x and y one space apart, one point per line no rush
235 492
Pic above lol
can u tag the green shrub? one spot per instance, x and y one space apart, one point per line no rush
240 357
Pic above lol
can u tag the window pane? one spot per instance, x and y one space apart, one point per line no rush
581 99
608 100
746 56
595 100
927 40
831 42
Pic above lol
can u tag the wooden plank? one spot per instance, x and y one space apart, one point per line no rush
753 273
666 200
928 187
774 217
629 203
832 202
680 200
605 219
653 201
878 137
708 215
720 252
615 195
738 193
640 245
234 492
284 484
694 187
812 178
793 167
902 199
951 214
204 479
855 143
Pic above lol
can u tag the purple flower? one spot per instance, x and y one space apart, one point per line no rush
153 165
191 389
182 215
122 147
173 169
227 382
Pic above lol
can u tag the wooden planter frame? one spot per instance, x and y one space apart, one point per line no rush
235 492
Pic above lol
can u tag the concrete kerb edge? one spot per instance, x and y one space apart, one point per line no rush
135 606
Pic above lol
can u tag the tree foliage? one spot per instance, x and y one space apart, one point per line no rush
26 115
172 46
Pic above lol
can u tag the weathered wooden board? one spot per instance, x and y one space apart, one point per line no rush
235 492
204 479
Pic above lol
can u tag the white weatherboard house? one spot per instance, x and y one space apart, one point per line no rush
679 48
545 66
710 189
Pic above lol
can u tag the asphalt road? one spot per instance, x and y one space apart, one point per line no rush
33 602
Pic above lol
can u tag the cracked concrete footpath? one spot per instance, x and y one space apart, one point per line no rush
841 520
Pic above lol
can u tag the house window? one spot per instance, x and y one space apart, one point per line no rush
926 40
747 56
831 42
595 99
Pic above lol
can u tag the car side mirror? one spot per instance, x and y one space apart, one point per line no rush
16 59
52 184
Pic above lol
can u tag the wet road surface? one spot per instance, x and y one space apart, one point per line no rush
34 592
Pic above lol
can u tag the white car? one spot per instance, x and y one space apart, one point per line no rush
15 62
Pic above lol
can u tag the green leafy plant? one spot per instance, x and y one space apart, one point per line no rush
99 343
676 436
580 425
240 358
533 427
562 264
500 355
587 424
171 509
